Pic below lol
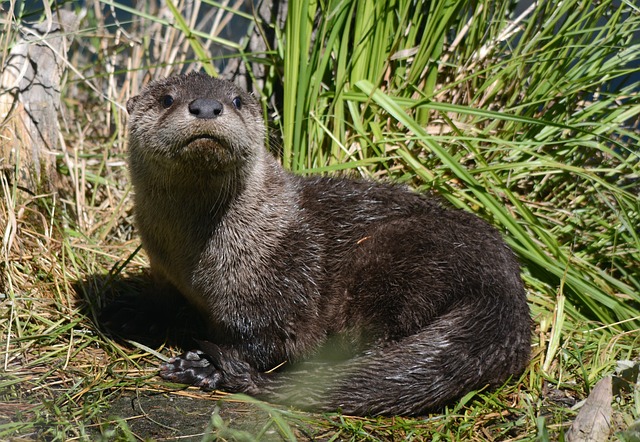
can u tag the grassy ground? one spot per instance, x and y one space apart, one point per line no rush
531 122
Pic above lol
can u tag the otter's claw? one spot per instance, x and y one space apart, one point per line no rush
193 368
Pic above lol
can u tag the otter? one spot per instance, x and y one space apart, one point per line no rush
376 299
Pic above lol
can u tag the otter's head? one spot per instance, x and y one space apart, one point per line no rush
191 123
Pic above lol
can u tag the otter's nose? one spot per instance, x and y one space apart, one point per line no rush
205 108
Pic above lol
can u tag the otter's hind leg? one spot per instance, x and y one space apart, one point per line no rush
445 307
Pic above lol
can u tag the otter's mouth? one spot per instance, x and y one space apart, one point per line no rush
204 141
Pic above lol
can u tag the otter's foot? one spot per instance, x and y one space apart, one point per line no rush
217 369
192 368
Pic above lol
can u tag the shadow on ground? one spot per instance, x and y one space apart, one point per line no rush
132 308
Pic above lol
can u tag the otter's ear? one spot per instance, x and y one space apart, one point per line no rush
131 103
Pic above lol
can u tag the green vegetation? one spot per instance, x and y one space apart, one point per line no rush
529 119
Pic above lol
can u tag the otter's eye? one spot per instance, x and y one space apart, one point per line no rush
167 101
237 103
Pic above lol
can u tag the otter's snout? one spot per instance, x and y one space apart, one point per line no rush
206 108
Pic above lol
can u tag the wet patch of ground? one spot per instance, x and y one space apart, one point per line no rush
197 416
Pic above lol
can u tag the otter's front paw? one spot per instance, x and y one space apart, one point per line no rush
193 368
216 368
